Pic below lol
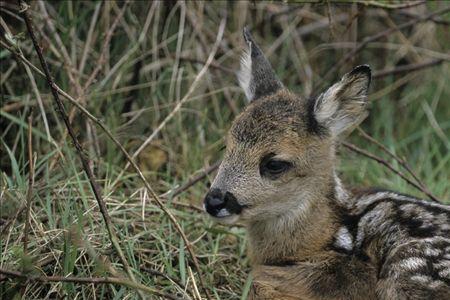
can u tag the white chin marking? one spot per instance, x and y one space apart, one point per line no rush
223 213
230 219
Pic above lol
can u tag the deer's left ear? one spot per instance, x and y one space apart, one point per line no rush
256 77
344 105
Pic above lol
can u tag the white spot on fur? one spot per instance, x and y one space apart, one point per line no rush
421 278
369 199
374 221
341 193
245 74
435 284
412 263
366 200
443 264
344 239
231 219
444 273
432 252
445 226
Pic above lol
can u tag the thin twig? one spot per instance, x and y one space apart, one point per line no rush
193 180
87 45
118 144
33 84
30 184
196 292
88 280
79 149
65 54
161 274
375 37
213 64
381 4
406 68
101 59
438 21
383 162
401 161
186 96
128 157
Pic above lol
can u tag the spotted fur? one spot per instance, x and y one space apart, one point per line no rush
309 236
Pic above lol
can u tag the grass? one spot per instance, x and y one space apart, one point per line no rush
139 84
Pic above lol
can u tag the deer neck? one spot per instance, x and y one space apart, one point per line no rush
296 235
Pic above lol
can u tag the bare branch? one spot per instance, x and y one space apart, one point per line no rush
87 280
383 162
193 180
186 96
406 68
101 59
375 37
381 4
402 162
57 89
79 149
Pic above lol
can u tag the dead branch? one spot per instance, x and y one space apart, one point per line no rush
193 180
163 275
385 163
79 149
110 135
186 96
438 21
406 68
381 4
57 89
401 161
86 280
375 37
101 59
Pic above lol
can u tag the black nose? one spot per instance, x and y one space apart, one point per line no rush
214 201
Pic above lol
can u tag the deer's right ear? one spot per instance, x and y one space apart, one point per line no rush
256 76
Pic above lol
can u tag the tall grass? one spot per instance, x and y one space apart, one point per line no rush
155 52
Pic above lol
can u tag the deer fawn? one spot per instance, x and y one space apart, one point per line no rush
309 237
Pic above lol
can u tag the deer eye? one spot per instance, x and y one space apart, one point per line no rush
272 168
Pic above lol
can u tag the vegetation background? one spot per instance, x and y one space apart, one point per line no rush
135 65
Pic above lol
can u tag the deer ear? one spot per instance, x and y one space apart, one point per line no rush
256 76
344 105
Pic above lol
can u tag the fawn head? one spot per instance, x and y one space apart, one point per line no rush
280 150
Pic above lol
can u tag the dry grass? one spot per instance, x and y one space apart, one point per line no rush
133 65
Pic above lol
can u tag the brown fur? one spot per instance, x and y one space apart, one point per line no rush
310 238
